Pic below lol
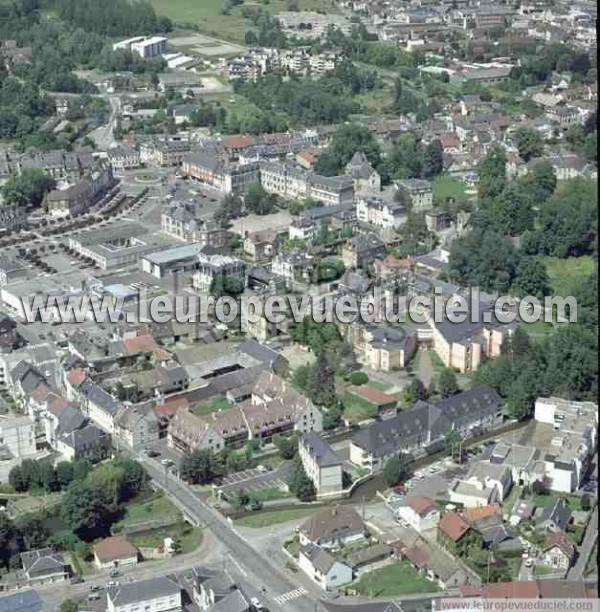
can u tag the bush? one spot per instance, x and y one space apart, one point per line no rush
359 378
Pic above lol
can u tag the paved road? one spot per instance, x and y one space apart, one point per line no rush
54 594
255 568
591 534
103 136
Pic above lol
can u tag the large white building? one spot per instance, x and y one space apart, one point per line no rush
17 435
153 595
376 211
150 47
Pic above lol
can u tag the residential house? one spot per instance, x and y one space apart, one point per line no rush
383 402
420 512
99 405
320 463
486 483
214 590
452 528
521 511
76 438
293 266
115 551
211 267
362 249
44 566
136 426
323 568
554 517
438 566
261 245
418 193
124 157
564 116
558 552
332 527
378 212
155 594
365 177
370 558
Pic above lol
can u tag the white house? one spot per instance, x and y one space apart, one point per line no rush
420 513
333 527
153 595
486 483
323 568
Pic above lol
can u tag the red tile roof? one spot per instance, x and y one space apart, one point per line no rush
372 396
417 556
170 407
421 504
453 525
238 142
114 548
143 343
76 376
562 540
472 515
512 590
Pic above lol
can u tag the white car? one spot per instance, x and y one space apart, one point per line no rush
529 562
256 603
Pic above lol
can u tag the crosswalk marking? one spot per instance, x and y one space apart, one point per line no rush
281 599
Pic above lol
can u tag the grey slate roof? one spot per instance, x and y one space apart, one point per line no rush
320 450
69 420
320 559
86 437
144 590
42 561
557 512
97 395
27 601
232 602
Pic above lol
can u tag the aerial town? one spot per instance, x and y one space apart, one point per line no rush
178 434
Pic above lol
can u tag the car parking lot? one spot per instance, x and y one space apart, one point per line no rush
254 479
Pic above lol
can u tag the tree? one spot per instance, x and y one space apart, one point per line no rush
200 467
540 182
300 377
359 378
452 441
300 484
87 510
17 480
492 173
586 502
258 201
433 159
531 278
27 188
397 469
447 383
7 535
331 418
529 143
287 446
320 385
65 473
347 140
414 392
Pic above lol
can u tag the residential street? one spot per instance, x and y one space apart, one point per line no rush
251 565
576 572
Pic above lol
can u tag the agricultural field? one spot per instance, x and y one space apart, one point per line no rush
207 17
565 274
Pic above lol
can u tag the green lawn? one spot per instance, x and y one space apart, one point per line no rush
564 274
219 403
273 517
357 409
449 187
393 580
190 537
206 14
270 493
150 510
380 386
377 101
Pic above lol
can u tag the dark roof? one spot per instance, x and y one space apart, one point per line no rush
333 523
87 436
27 601
42 561
320 450
460 408
70 419
320 559
260 352
497 534
97 395
558 512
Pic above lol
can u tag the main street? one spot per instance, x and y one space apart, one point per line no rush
255 569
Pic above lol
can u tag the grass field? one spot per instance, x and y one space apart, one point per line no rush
564 274
219 403
357 409
190 537
273 517
206 14
393 580
449 187
153 509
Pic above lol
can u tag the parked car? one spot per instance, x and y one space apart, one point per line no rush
114 573
153 453
76 580
256 603
112 583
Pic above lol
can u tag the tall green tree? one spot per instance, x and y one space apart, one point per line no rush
320 386
447 383
492 173
27 188
529 143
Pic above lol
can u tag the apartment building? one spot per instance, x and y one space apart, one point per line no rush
321 464
212 168
378 212
182 220
418 193
149 47
152 595
210 267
